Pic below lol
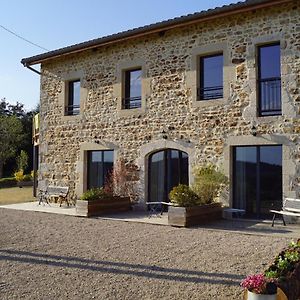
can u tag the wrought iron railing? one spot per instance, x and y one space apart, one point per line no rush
72 110
131 103
209 93
269 96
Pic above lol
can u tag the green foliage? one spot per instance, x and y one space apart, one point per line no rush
15 134
94 194
22 160
20 176
292 256
271 274
11 134
183 195
208 182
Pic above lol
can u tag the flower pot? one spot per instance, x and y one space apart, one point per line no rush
254 296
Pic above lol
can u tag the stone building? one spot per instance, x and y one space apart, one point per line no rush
220 86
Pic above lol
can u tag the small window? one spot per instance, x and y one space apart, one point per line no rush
133 89
211 77
100 165
269 80
73 101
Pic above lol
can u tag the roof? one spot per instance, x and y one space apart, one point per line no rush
154 28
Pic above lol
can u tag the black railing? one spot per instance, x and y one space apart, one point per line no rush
131 103
269 96
72 110
209 93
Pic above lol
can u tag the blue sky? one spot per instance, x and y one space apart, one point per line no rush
58 23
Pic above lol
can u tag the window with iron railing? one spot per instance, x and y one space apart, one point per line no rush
73 102
133 89
269 80
211 77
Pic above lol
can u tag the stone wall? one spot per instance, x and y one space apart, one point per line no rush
169 77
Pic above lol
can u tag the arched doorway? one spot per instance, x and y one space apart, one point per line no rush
167 168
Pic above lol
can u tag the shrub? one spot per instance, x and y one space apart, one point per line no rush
286 270
27 177
183 195
208 183
94 194
19 175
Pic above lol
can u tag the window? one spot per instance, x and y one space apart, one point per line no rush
211 77
133 89
99 165
269 80
73 101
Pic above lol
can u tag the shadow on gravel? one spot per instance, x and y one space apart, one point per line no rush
121 268
253 227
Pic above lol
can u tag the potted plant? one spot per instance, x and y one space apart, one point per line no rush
260 287
197 204
286 270
96 202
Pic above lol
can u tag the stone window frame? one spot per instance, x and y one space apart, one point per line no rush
288 165
82 165
64 95
251 111
119 86
193 75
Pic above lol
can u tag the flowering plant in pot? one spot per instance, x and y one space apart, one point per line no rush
260 287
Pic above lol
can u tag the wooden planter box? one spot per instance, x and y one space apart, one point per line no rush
24 183
86 208
196 215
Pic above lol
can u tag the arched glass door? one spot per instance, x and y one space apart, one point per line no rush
167 168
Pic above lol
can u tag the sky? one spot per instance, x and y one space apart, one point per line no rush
53 24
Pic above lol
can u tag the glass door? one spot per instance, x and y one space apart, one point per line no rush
167 168
257 179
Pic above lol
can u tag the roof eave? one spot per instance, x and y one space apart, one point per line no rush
148 30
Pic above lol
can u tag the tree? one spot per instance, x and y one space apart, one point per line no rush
22 160
11 135
25 143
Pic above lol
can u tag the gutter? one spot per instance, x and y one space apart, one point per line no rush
31 69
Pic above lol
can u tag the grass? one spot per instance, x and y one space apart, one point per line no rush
16 195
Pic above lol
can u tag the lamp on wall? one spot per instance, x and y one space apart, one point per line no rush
253 130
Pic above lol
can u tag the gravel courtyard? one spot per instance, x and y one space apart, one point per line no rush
46 256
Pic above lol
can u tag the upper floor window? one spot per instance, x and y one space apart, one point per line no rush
73 99
211 77
133 89
269 80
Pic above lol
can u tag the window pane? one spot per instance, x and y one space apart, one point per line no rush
270 178
100 164
211 77
269 61
245 178
108 162
157 177
76 93
133 89
269 80
135 83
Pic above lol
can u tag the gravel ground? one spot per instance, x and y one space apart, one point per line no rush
45 256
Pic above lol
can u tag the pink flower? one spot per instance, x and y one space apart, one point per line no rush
255 283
